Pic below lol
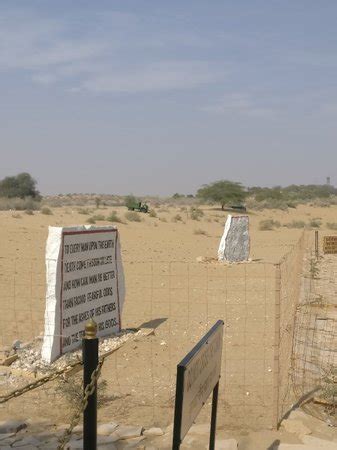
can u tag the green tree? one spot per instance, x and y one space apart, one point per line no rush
22 185
131 201
223 192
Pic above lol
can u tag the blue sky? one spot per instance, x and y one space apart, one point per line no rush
155 97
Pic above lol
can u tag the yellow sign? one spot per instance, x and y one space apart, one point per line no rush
330 245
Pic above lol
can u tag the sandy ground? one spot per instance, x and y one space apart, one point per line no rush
161 238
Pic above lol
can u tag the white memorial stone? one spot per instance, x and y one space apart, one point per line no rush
235 243
85 280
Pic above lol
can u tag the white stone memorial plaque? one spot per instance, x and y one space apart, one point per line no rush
85 280
234 245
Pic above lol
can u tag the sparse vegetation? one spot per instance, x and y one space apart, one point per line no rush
295 224
29 212
269 224
84 211
332 226
315 223
152 213
177 218
19 204
196 213
199 231
113 217
132 216
46 211
91 220
16 216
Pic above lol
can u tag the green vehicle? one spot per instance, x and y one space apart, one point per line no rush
141 207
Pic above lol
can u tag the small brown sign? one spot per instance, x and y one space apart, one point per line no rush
330 245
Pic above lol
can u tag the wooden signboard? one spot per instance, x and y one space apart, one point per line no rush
330 245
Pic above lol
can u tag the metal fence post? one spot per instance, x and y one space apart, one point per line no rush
316 244
213 418
90 363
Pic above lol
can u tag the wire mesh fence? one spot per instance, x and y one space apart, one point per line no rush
181 300
315 343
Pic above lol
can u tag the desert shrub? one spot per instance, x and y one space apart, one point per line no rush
152 213
332 225
196 213
91 220
132 216
177 218
162 219
47 211
16 216
268 224
295 224
98 217
29 212
131 201
84 211
114 218
199 231
315 223
19 204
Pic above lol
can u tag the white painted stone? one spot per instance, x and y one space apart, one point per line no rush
226 444
127 432
12 426
105 429
235 243
4 436
296 426
153 432
26 441
319 443
68 259
107 439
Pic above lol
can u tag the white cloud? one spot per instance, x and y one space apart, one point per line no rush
118 55
163 75
238 103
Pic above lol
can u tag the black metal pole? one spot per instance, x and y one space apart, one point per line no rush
213 418
316 244
90 362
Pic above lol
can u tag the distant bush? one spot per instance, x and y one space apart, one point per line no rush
295 224
315 223
84 211
19 204
91 220
269 224
152 213
16 216
29 212
162 219
47 211
196 213
131 201
177 218
132 216
331 225
98 217
198 231
114 218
